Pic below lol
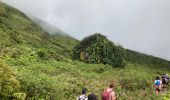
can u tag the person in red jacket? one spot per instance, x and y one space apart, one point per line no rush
109 93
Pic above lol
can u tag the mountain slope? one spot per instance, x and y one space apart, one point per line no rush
141 58
14 23
45 71
17 29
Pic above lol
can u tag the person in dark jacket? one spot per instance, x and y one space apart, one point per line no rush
92 96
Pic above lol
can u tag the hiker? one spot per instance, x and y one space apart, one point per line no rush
158 85
165 81
83 95
109 93
167 76
92 96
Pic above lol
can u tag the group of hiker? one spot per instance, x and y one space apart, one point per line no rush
161 83
108 94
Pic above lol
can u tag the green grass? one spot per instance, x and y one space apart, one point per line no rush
64 79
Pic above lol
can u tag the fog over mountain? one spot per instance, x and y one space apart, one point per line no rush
141 25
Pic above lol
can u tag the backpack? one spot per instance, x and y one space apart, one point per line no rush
157 82
165 80
105 95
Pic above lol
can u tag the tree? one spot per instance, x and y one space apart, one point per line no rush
98 49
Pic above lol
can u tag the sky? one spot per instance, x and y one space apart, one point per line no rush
140 25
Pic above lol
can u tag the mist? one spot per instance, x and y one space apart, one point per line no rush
140 25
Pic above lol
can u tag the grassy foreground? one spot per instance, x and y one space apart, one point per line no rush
63 80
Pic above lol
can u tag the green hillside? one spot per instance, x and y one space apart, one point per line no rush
16 29
141 58
37 66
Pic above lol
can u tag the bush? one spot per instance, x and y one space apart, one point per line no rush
19 96
98 49
42 54
8 82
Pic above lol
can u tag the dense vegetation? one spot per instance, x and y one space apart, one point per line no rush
37 66
9 86
98 49
140 58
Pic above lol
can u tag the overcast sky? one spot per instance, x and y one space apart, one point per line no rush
141 25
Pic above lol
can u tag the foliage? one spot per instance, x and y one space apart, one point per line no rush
140 58
167 96
19 96
42 54
8 82
98 49
64 80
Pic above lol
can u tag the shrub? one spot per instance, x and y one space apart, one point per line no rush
98 49
42 54
8 82
19 96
